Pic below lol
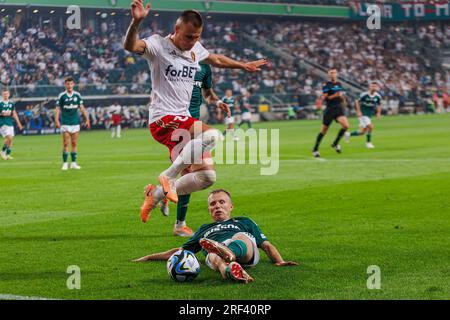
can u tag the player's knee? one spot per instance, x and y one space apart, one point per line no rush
210 138
206 178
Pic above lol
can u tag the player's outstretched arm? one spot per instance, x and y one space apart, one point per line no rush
160 256
212 98
275 256
221 61
16 119
138 12
358 109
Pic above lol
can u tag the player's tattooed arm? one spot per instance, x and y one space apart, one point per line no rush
160 256
138 12
87 123
221 61
273 253
212 98
16 118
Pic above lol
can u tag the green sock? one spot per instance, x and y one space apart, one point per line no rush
65 155
238 247
355 133
369 137
8 151
182 207
4 148
73 156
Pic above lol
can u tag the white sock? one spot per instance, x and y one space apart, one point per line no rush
195 181
118 130
113 132
158 195
193 151
180 224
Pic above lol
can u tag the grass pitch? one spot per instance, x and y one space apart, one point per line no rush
388 207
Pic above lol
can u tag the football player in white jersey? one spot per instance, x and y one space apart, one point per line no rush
115 112
173 62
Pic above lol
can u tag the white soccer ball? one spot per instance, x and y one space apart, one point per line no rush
183 266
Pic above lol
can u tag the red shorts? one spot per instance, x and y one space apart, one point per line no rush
116 119
164 135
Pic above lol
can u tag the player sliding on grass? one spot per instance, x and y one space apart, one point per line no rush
67 106
369 103
332 94
174 61
7 114
229 243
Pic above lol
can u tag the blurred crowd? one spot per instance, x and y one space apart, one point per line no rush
35 59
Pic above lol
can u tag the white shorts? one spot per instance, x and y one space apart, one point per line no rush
229 120
253 262
246 116
7 131
364 121
70 129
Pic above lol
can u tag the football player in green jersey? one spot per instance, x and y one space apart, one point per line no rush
234 108
228 243
7 115
67 105
369 103
202 90
246 110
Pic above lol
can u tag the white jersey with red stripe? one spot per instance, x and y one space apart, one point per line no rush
115 109
172 75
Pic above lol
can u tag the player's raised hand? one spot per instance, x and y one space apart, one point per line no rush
225 107
254 66
138 12
286 264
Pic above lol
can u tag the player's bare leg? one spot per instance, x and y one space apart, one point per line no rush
65 151
343 121
322 133
73 151
192 153
6 150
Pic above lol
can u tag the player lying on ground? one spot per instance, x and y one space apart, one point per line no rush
369 103
229 243
333 96
173 61
67 106
7 114
203 88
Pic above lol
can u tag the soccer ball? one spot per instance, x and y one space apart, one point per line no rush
183 266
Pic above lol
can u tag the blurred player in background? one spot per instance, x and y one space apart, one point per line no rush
67 105
202 89
246 110
115 112
7 115
229 243
230 100
369 104
174 61
333 96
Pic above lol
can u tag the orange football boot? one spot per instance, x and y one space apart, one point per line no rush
147 206
168 188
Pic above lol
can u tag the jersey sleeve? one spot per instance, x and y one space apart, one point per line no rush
326 89
58 102
207 80
81 99
201 52
152 46
361 96
193 242
254 229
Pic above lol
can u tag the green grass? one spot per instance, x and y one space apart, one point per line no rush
388 207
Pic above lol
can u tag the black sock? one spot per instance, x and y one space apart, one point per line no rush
318 140
339 136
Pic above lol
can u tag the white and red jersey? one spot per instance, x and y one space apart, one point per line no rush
172 75
115 109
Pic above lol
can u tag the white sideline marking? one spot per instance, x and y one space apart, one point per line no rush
14 297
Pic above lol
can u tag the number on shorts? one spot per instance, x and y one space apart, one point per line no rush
180 118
